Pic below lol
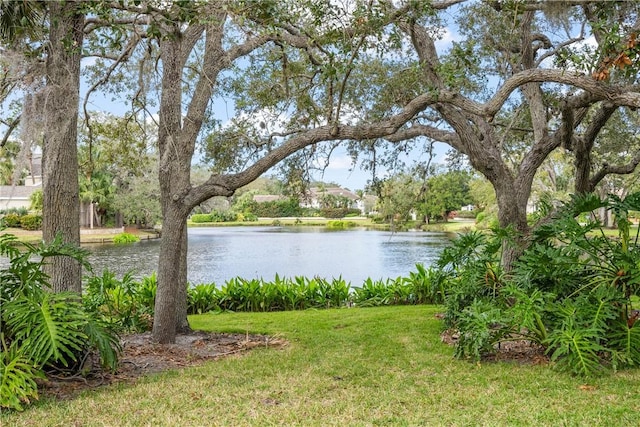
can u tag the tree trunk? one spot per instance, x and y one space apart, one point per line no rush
182 324
61 206
176 151
171 302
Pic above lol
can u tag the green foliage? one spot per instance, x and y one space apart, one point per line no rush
338 212
11 220
215 216
49 326
31 222
24 275
445 192
17 377
200 218
275 209
298 293
36 200
20 218
424 286
340 225
467 214
625 339
42 329
123 238
21 211
570 291
202 298
125 304
427 285
247 217
578 338
481 326
374 293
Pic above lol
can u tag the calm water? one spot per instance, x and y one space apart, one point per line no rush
219 253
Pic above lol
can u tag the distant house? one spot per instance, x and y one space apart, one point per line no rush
318 197
17 196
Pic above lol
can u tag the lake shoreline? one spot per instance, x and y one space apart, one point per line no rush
106 235
87 236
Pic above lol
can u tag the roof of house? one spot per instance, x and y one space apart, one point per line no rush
315 192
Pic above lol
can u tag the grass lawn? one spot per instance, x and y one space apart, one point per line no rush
360 366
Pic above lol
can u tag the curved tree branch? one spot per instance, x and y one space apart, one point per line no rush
11 127
614 169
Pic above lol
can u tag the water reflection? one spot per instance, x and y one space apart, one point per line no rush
219 253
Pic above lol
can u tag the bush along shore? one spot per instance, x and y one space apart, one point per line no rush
129 303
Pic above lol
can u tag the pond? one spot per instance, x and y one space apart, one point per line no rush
217 254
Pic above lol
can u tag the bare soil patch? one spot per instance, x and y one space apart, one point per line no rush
141 356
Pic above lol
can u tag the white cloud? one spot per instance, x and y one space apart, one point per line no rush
336 162
88 61
446 39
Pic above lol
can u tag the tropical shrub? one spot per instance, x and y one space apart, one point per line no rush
427 285
41 329
199 218
372 293
125 304
17 377
338 212
571 291
214 216
11 220
122 238
202 298
275 209
31 222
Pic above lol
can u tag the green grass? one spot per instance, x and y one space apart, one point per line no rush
373 366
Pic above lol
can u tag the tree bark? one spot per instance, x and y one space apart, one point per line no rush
171 302
61 205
